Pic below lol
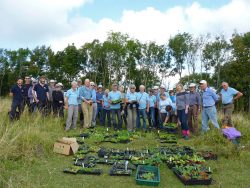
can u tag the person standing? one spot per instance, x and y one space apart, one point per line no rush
41 95
79 85
131 103
228 96
194 108
163 103
26 86
31 97
182 105
151 104
71 104
157 112
87 95
114 101
94 104
106 108
124 112
99 98
17 92
50 99
209 112
142 99
58 101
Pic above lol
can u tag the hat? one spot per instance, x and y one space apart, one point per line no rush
59 84
155 87
203 82
52 81
192 85
100 86
92 83
163 86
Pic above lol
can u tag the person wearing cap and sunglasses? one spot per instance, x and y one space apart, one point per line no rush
115 107
51 89
194 108
31 96
87 95
209 112
228 96
58 101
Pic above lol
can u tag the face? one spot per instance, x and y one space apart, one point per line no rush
87 83
74 86
52 84
178 88
162 90
142 89
191 89
42 80
79 83
27 79
203 86
19 82
132 89
121 89
155 91
100 89
171 93
58 88
224 85
114 87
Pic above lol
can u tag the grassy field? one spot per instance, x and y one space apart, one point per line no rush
27 158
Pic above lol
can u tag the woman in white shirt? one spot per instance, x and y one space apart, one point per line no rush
163 103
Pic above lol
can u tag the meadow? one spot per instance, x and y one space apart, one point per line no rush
27 158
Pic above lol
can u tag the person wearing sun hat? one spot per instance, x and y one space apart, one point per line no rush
194 108
32 107
99 98
58 100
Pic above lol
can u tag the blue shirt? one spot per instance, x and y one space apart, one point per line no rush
173 98
131 97
151 100
41 92
142 99
72 97
87 93
209 97
227 95
106 105
115 96
99 97
79 99
158 97
18 93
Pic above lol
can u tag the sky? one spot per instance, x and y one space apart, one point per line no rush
57 23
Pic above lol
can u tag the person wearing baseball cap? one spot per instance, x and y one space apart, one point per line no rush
58 101
51 89
209 112
99 99
151 108
194 108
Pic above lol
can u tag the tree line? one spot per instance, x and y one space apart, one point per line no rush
128 60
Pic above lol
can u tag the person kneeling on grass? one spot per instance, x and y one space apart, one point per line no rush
163 103
71 104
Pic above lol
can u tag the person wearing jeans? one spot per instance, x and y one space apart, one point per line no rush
99 98
151 108
182 105
209 98
114 101
142 100
132 109
71 104
106 108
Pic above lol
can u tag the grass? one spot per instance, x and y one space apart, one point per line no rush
27 158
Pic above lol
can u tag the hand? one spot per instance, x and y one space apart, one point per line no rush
37 101
66 107
147 110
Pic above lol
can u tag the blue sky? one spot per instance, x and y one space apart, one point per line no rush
98 9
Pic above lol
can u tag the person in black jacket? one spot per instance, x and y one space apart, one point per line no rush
58 101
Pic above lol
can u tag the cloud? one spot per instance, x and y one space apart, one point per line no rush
30 23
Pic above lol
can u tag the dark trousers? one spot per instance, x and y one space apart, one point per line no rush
116 112
81 117
43 107
157 118
183 117
26 101
32 107
106 113
58 109
99 113
125 114
13 113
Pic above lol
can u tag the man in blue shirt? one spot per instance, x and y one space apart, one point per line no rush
17 92
99 98
151 108
106 108
41 95
209 98
142 99
228 97
87 95
71 104
131 102
114 101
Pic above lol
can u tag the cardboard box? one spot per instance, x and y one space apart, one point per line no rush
66 146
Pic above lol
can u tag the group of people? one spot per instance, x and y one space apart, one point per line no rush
116 108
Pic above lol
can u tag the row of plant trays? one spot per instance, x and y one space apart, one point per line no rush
82 170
